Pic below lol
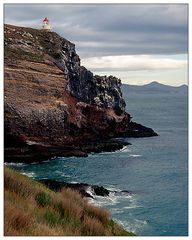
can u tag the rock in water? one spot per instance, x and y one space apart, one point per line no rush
80 187
100 191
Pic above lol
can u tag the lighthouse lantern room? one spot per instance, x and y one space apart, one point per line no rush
46 26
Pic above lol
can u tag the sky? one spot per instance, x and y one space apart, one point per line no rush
139 43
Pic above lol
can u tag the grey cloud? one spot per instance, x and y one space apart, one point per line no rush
111 29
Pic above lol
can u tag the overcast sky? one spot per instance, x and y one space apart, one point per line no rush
139 43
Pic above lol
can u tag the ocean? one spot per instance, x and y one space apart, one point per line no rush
153 170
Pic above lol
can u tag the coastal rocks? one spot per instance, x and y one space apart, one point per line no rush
138 130
86 190
100 191
19 149
83 188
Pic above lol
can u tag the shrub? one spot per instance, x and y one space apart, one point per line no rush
51 218
69 209
43 199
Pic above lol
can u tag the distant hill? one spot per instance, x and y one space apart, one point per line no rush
154 87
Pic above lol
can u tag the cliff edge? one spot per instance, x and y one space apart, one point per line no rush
55 106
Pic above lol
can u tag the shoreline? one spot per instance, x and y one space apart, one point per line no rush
39 153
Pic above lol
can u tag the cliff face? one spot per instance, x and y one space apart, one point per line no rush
101 91
50 99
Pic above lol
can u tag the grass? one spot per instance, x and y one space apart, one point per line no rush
43 199
31 209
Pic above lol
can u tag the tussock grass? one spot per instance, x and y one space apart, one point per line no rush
93 227
31 209
101 214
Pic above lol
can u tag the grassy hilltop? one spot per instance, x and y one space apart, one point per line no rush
31 209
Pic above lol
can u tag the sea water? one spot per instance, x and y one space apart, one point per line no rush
153 170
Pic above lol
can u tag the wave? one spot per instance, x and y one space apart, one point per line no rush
113 199
90 191
132 225
29 174
135 155
116 210
132 207
14 164
111 188
103 201
123 150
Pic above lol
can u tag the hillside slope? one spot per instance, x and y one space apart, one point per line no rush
31 209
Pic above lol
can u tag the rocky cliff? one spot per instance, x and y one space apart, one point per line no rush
52 102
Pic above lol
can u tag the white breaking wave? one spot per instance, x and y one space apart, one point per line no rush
14 164
132 206
135 155
90 191
103 201
124 150
29 174
113 199
118 203
62 174
116 210
112 188
132 225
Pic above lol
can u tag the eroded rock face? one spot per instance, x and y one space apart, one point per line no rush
51 99
99 90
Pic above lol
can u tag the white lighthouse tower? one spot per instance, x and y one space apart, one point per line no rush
46 26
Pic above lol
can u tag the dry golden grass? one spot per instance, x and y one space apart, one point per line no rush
93 227
19 222
33 210
99 213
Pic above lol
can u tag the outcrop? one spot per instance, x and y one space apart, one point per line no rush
53 105
86 190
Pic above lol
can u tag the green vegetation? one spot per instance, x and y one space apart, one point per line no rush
117 230
43 199
31 209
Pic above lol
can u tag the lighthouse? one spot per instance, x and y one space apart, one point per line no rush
46 26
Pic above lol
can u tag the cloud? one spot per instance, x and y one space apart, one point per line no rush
136 42
132 63
111 29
